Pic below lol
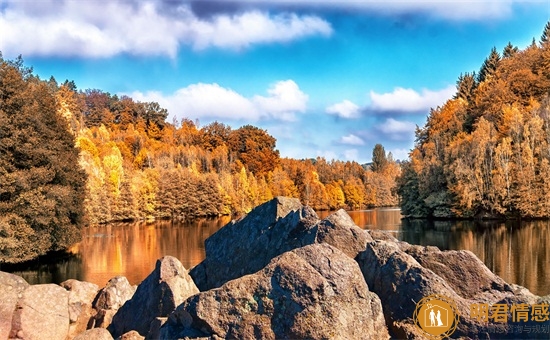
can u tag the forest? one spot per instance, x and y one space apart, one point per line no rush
485 153
71 158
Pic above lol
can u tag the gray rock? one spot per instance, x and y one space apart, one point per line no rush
402 274
109 299
95 334
157 296
11 290
42 313
315 291
245 246
81 297
340 231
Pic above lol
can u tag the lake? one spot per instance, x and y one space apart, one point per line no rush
516 251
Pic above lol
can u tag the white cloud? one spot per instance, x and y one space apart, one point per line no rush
453 10
397 130
408 100
351 154
344 109
107 28
284 100
401 154
351 139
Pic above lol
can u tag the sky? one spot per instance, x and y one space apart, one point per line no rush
329 79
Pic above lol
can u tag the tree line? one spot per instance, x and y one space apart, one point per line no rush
71 158
486 151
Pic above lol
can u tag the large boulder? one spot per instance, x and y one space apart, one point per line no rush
11 290
157 296
282 224
109 299
42 313
402 274
81 297
315 292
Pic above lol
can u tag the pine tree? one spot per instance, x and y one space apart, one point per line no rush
466 85
545 35
379 160
489 66
509 50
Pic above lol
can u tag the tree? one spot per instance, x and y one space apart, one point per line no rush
489 66
379 160
509 50
545 34
466 85
255 148
41 183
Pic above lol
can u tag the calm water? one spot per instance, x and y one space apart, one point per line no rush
516 252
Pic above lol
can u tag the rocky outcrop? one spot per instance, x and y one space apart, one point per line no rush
279 272
109 299
402 274
42 313
11 290
157 296
81 297
315 291
282 224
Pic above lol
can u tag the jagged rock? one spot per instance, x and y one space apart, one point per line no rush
340 231
157 296
282 224
42 313
81 297
95 334
109 299
315 291
402 274
11 290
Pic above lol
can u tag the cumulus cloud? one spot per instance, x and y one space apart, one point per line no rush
409 100
351 139
452 10
344 109
107 28
283 101
397 130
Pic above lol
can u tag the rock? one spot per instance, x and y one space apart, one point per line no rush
402 274
245 246
131 335
81 297
157 296
11 290
109 299
42 313
95 334
340 231
316 291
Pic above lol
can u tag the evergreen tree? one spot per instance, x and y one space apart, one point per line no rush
489 66
465 86
545 35
509 51
379 160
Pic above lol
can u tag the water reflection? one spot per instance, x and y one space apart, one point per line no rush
515 251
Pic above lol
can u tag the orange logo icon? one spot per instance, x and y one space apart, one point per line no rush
436 315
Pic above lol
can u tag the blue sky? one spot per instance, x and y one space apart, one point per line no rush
327 79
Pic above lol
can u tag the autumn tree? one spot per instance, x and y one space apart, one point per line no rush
41 184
